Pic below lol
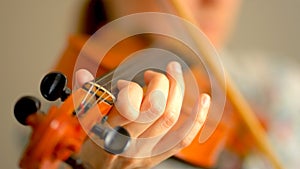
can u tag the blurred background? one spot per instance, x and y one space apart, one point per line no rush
34 33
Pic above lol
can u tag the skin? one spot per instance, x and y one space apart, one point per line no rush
166 119
215 18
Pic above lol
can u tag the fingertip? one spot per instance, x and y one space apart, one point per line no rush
82 76
129 99
122 83
148 76
204 108
174 67
205 100
175 75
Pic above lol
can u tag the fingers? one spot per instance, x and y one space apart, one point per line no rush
153 104
174 103
128 103
155 114
183 134
82 76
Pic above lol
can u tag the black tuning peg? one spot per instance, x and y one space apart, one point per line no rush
26 106
116 140
53 86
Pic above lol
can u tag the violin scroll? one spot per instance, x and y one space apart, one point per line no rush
59 134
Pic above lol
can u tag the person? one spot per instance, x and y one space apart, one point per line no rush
216 20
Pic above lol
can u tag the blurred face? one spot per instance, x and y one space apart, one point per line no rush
214 17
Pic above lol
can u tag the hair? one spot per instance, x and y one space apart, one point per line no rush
95 16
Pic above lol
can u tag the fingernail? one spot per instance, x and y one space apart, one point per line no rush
176 67
122 83
205 101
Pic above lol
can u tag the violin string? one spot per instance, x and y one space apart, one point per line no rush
85 103
87 99
90 89
106 85
99 100
120 74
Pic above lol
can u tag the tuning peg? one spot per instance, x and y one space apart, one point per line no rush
26 106
116 140
53 86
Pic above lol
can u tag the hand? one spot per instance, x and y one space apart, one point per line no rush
155 120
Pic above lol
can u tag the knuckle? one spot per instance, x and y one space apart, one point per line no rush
148 164
169 119
161 77
186 142
135 86
155 111
157 102
191 135
124 163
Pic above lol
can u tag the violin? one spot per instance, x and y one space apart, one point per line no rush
58 135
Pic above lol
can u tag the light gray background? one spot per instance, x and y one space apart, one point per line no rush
33 33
